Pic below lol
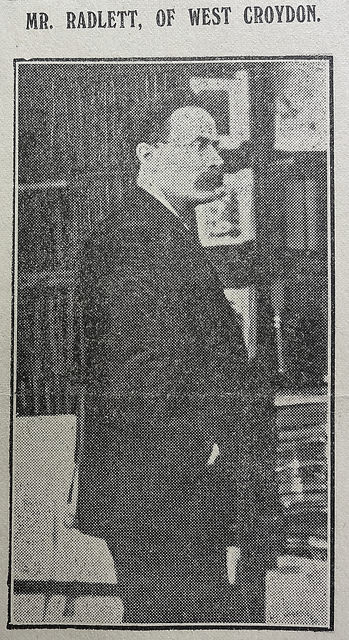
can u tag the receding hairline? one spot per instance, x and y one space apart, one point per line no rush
163 134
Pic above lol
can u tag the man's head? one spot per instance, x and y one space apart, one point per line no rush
176 147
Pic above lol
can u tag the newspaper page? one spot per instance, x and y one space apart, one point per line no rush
173 217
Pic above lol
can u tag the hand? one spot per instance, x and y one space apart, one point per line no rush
214 455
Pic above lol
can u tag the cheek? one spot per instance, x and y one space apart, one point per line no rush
182 170
186 164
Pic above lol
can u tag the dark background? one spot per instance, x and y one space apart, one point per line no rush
69 181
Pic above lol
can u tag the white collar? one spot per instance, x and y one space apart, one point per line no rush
156 193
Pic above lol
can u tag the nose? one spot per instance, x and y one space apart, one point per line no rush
216 159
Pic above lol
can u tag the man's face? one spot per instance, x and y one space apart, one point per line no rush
188 167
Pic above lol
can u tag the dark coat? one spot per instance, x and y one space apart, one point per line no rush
165 368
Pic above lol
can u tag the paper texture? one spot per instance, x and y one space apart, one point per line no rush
273 82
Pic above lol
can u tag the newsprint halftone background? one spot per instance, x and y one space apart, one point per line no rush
269 242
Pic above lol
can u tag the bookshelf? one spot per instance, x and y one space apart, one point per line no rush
69 181
296 201
302 472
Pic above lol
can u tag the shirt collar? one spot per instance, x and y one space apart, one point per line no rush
157 193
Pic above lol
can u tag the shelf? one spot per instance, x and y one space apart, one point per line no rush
59 278
42 186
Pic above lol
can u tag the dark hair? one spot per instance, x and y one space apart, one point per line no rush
147 121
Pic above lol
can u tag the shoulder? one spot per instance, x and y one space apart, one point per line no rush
117 242
140 240
124 262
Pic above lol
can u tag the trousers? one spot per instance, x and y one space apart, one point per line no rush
175 581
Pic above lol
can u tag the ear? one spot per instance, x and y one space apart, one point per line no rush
144 151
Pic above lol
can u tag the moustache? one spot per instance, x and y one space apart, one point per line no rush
210 180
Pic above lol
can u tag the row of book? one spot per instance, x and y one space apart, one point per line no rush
48 352
305 210
53 220
46 234
69 115
302 475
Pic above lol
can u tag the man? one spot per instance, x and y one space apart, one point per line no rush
165 372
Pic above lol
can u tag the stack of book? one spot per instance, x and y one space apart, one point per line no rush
302 472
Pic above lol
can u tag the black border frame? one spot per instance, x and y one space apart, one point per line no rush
198 626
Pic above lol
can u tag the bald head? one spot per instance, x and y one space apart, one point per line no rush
186 165
189 123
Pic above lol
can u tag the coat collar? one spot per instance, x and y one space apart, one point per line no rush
158 195
155 215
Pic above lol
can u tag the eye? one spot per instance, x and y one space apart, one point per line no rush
202 144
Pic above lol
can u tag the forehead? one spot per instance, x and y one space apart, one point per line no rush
189 123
